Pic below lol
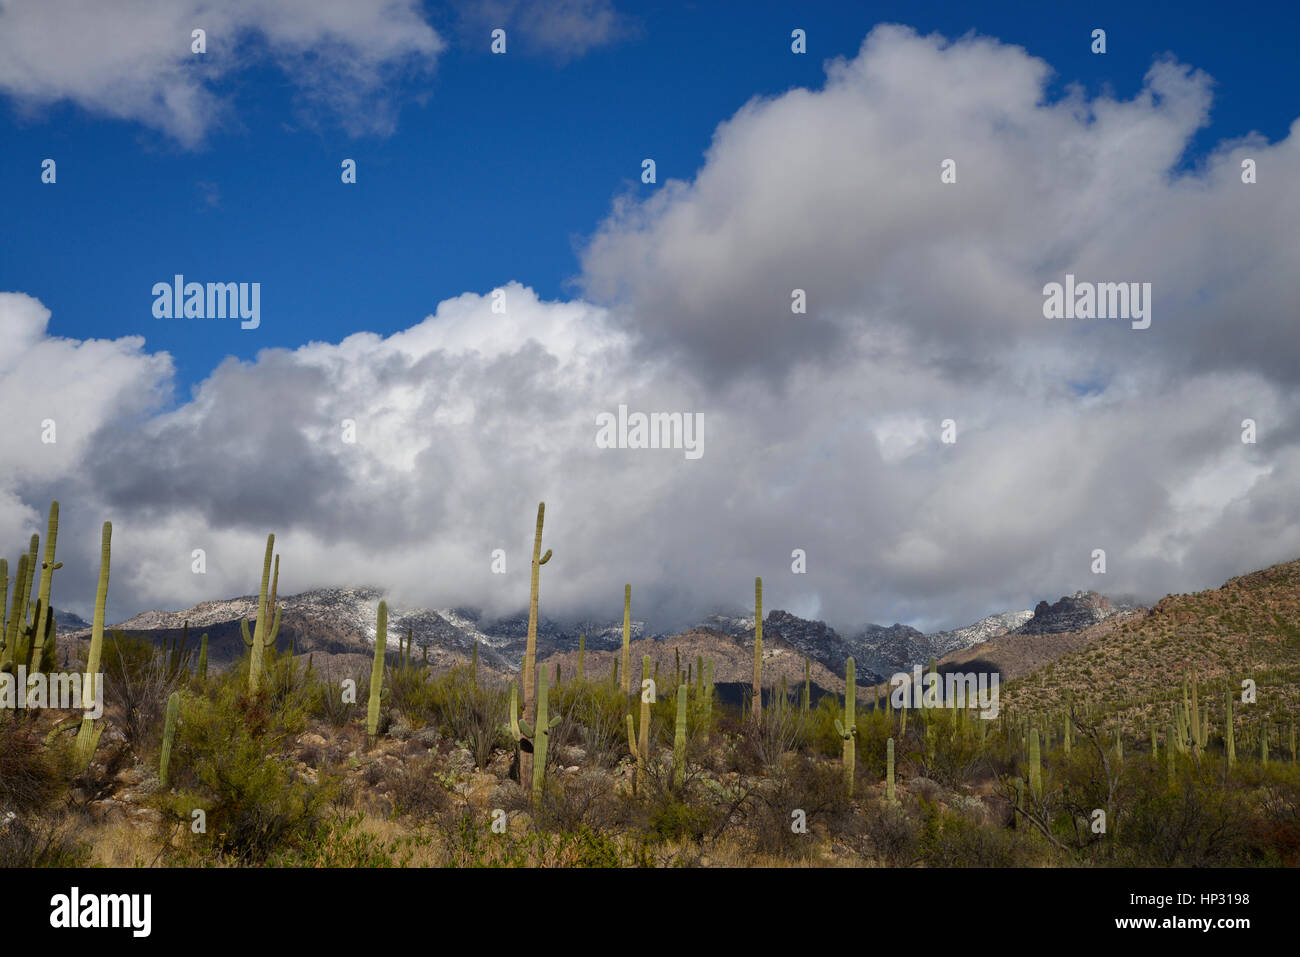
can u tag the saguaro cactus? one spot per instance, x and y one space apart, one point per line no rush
807 686
17 610
627 639
263 637
889 770
679 739
539 733
1229 737
169 736
513 726
1035 766
528 678
88 734
377 690
43 618
756 706
582 654
648 695
202 670
848 729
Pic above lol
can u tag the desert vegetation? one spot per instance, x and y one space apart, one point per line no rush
281 761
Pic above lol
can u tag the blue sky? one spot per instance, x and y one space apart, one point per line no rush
503 171
822 431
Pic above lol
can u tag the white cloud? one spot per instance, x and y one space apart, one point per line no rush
563 28
133 61
821 432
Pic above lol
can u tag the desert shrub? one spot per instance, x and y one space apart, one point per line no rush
797 783
136 686
1275 829
588 799
1193 821
465 840
328 703
29 841
767 740
417 789
892 835
958 839
952 754
472 711
820 735
342 842
592 713
413 694
27 779
227 763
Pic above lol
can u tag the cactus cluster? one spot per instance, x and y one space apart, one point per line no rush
27 631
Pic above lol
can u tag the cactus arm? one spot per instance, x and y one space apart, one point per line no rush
526 728
545 558
275 628
243 629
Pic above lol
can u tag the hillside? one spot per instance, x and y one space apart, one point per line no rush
1132 666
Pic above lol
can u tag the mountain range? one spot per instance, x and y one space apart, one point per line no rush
340 622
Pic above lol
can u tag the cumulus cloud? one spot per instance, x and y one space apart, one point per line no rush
821 432
133 61
561 28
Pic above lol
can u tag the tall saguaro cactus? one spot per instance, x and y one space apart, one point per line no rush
528 678
756 706
1035 766
889 771
848 729
377 690
1229 740
169 736
202 669
88 734
648 694
679 740
43 618
263 637
627 639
